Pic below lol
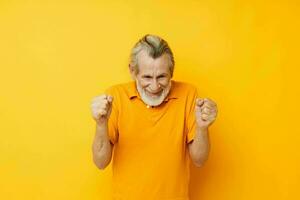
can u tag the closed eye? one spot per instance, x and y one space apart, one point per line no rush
146 76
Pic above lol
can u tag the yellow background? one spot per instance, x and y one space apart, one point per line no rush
56 55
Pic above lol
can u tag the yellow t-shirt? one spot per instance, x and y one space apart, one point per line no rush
150 156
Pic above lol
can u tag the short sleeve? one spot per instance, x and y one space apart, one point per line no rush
113 119
190 115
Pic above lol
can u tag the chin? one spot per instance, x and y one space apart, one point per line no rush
154 100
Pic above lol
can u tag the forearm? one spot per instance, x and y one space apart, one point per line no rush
200 146
102 149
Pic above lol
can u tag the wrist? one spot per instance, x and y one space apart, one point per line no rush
101 122
202 129
102 125
101 129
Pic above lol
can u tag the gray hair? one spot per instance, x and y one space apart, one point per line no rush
155 47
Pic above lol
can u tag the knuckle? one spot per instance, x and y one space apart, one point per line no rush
105 101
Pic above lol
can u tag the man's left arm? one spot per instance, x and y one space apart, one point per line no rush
205 115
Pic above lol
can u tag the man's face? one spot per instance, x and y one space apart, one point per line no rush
154 78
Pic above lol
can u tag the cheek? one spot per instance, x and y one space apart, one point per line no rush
164 83
143 83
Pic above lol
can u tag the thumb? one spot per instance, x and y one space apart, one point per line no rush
109 99
199 101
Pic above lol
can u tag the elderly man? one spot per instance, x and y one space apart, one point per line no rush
153 125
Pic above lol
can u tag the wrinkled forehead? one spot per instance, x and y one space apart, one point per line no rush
148 64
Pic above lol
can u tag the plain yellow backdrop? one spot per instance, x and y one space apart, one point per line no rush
56 55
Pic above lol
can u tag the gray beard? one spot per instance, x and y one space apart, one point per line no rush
156 101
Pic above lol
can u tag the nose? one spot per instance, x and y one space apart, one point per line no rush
155 86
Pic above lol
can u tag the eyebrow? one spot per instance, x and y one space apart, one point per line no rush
163 74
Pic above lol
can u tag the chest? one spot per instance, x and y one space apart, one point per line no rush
142 125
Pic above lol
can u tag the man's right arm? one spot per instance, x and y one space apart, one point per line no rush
101 107
102 148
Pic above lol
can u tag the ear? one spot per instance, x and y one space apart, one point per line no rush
132 72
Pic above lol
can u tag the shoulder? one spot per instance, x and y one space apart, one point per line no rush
120 89
184 88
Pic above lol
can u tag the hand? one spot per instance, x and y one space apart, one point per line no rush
206 112
101 108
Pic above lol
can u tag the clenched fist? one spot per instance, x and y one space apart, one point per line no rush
206 112
101 108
